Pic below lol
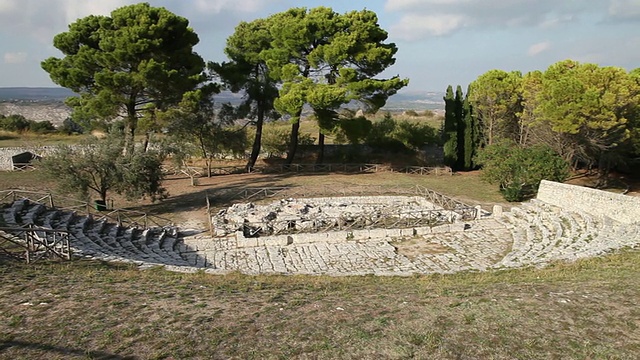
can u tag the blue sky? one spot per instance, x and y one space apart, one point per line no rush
440 42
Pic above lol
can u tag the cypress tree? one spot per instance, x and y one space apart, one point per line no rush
471 133
449 133
460 128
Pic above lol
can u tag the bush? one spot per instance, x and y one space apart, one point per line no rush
415 135
70 127
381 131
518 171
14 123
99 167
41 127
353 130
276 138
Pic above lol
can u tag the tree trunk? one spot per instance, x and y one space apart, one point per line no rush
293 140
147 139
130 130
257 142
320 158
129 139
604 167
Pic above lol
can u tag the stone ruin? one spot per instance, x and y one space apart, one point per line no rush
315 215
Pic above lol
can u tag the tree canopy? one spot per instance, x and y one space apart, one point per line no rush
325 60
518 171
137 59
98 166
247 71
586 113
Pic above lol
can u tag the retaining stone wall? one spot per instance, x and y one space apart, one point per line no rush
625 209
342 236
7 152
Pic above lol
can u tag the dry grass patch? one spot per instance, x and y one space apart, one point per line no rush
588 309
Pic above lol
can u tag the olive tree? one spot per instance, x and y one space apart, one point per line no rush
98 166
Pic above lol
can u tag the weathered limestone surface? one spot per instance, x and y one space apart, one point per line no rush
622 208
321 214
535 233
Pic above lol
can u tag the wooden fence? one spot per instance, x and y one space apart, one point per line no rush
400 220
122 217
33 243
218 199
310 168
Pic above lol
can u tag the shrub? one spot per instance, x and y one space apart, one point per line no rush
415 135
69 127
41 127
14 123
518 171
276 138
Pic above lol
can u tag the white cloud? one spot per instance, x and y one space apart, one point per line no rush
412 27
538 48
446 16
394 5
15 57
32 18
8 6
555 21
218 6
624 9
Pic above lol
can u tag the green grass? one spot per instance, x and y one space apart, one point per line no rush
10 139
587 309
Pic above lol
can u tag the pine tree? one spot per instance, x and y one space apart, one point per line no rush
449 131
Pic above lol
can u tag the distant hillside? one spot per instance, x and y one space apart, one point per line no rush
416 100
34 94
40 103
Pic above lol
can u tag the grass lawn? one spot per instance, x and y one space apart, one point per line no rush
88 310
91 310
10 139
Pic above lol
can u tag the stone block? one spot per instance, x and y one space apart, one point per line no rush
360 234
247 242
393 233
441 228
423 230
377 233
497 211
408 232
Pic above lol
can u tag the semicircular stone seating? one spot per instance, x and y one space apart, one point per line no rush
532 234
104 240
543 233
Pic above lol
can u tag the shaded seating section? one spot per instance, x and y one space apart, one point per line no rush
101 239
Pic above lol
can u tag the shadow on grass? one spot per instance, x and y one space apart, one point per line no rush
8 137
195 197
48 348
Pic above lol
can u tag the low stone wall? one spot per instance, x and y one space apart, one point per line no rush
7 152
342 236
622 208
